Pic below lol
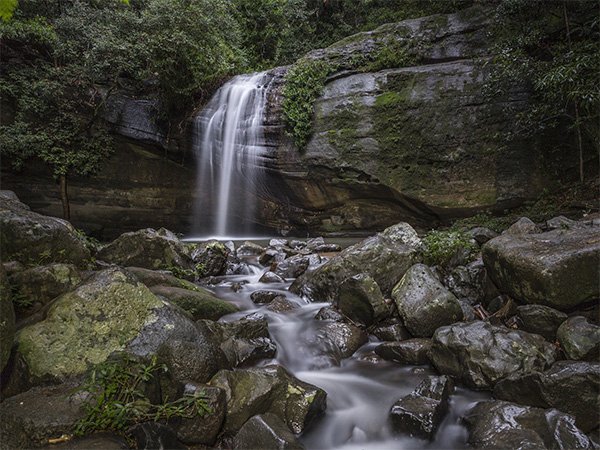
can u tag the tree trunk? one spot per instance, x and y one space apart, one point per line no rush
64 197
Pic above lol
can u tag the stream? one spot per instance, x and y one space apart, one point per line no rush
360 391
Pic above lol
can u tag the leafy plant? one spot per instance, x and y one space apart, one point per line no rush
304 83
117 398
440 246
391 54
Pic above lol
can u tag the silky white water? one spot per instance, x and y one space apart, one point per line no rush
229 147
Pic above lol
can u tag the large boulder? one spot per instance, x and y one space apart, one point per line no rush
150 249
424 303
410 351
335 341
572 387
420 413
153 278
480 354
266 431
385 257
497 425
199 303
34 239
360 300
111 312
29 419
579 339
268 389
211 258
557 269
540 319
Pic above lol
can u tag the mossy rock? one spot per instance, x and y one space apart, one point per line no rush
161 278
200 303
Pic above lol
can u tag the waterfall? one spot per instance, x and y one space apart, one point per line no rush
229 148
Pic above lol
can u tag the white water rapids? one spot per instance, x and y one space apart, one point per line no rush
229 146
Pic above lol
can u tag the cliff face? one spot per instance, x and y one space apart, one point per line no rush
415 143
410 138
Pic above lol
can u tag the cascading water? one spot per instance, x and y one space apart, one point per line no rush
229 147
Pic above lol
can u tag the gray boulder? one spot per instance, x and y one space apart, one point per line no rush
29 419
199 303
480 354
281 304
335 341
424 304
385 257
572 387
292 267
420 413
522 226
579 339
35 239
557 269
482 234
270 277
500 425
249 249
153 278
562 223
202 429
360 300
411 351
541 320
263 296
391 330
210 258
266 432
268 389
148 248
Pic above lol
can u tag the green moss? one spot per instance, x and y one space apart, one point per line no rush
304 83
85 326
391 54
440 246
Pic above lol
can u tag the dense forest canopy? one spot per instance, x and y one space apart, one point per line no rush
61 59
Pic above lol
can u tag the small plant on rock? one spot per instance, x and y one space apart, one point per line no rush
439 247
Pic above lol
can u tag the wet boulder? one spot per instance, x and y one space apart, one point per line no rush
199 303
335 341
29 419
424 304
420 413
33 238
327 248
557 269
331 314
211 258
270 277
266 431
385 257
540 319
249 249
470 282
270 256
269 389
480 354
411 351
245 341
572 387
292 267
361 300
148 248
110 312
202 429
278 243
263 296
153 278
481 234
281 304
391 330
498 424
37 286
579 339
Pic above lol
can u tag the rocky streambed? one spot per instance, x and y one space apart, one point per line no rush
298 343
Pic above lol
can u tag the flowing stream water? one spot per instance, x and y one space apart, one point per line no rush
360 390
229 146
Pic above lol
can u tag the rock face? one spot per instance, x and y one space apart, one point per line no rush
480 354
557 269
149 249
580 339
424 303
385 257
572 387
32 238
496 424
270 389
421 412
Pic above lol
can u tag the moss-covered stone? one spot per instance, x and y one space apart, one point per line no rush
200 303
85 326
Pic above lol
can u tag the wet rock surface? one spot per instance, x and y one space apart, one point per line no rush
424 304
269 389
360 300
199 303
543 268
580 339
421 412
266 431
541 320
411 351
572 387
480 354
497 424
